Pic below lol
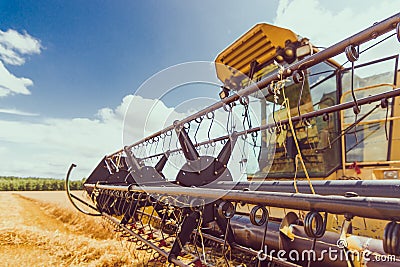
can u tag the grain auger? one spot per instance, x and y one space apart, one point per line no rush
325 190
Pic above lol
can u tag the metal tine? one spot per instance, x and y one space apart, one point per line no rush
163 221
135 210
150 218
143 226
129 200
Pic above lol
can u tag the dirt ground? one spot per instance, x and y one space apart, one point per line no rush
42 229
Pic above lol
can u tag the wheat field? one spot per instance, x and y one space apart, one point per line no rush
43 229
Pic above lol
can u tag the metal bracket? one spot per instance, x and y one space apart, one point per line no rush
188 149
143 174
223 157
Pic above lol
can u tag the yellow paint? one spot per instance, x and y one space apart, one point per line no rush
259 43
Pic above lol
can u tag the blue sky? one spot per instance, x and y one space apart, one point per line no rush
75 64
99 51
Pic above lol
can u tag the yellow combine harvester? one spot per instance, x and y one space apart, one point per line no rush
326 190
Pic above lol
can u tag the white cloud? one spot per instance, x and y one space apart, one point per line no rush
14 111
146 116
9 84
47 148
324 27
10 57
14 47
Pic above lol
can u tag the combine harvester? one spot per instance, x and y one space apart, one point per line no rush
326 189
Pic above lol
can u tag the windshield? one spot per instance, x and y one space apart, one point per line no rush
318 91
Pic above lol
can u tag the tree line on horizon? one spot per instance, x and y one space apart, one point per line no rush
11 183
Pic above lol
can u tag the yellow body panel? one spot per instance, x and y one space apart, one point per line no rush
395 149
259 44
